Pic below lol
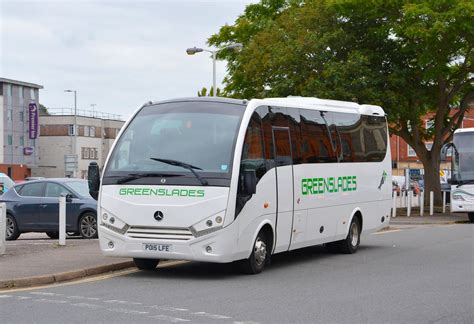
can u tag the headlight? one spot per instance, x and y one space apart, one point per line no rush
114 224
208 225
458 197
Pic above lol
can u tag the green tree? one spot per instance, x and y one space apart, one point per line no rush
411 57
203 92
43 110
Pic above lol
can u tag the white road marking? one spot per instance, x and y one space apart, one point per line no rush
389 231
86 305
213 316
23 297
168 308
114 301
5 296
170 319
127 311
52 301
45 294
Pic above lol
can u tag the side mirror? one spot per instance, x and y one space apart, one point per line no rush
249 182
444 151
68 198
93 178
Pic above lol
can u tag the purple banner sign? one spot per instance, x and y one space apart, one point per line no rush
33 119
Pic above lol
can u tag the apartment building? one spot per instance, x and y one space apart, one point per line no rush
19 128
66 151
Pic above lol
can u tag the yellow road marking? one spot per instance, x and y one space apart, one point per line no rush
90 279
389 231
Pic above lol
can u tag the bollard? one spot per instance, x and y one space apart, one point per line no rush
444 202
410 198
422 203
62 220
431 202
403 199
3 225
394 205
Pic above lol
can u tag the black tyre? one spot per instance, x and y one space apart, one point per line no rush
12 231
88 226
146 264
471 217
259 257
53 235
351 243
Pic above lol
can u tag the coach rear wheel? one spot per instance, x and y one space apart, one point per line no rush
146 264
352 241
259 257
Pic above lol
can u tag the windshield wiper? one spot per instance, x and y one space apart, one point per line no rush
184 165
134 176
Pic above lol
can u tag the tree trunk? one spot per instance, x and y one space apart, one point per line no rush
432 181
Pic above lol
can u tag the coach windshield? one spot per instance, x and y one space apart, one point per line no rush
181 143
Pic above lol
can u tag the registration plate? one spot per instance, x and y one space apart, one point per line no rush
153 247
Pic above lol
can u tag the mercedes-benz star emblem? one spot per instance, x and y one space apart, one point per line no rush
158 216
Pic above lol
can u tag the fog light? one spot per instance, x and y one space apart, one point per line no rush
208 249
209 223
104 216
112 220
111 245
218 219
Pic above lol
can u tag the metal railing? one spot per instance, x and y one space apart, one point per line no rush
83 113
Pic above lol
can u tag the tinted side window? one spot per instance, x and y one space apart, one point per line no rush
253 151
315 141
55 190
375 138
32 190
351 132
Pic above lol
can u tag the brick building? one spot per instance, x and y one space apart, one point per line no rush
95 136
19 150
403 156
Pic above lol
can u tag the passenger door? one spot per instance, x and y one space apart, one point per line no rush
284 169
27 211
50 207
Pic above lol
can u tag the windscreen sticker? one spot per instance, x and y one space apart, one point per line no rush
162 192
224 167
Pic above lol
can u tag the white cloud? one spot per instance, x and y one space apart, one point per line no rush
116 54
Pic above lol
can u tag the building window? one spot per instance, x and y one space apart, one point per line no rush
411 152
22 116
20 92
72 131
22 141
85 153
89 153
9 90
32 94
92 131
86 130
10 139
9 114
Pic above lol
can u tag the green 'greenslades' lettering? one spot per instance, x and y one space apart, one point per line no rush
161 192
318 186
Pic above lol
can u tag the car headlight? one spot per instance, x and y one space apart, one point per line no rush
458 197
208 225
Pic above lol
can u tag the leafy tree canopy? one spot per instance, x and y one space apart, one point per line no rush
411 57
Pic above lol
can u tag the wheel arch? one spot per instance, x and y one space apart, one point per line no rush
356 213
83 212
267 226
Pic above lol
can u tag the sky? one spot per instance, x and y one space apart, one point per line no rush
116 54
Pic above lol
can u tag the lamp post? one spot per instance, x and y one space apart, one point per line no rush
74 141
194 50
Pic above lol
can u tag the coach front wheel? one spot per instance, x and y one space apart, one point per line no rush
146 264
259 257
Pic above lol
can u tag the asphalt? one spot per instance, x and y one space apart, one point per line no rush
409 274
34 259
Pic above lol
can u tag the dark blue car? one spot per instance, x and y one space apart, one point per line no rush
33 206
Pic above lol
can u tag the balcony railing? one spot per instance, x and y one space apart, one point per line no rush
82 113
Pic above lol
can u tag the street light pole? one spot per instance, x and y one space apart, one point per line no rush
194 50
75 131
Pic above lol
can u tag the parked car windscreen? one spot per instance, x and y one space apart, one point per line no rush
81 187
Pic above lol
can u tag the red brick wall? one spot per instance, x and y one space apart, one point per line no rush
19 171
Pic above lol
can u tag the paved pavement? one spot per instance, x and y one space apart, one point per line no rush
34 254
437 218
416 274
